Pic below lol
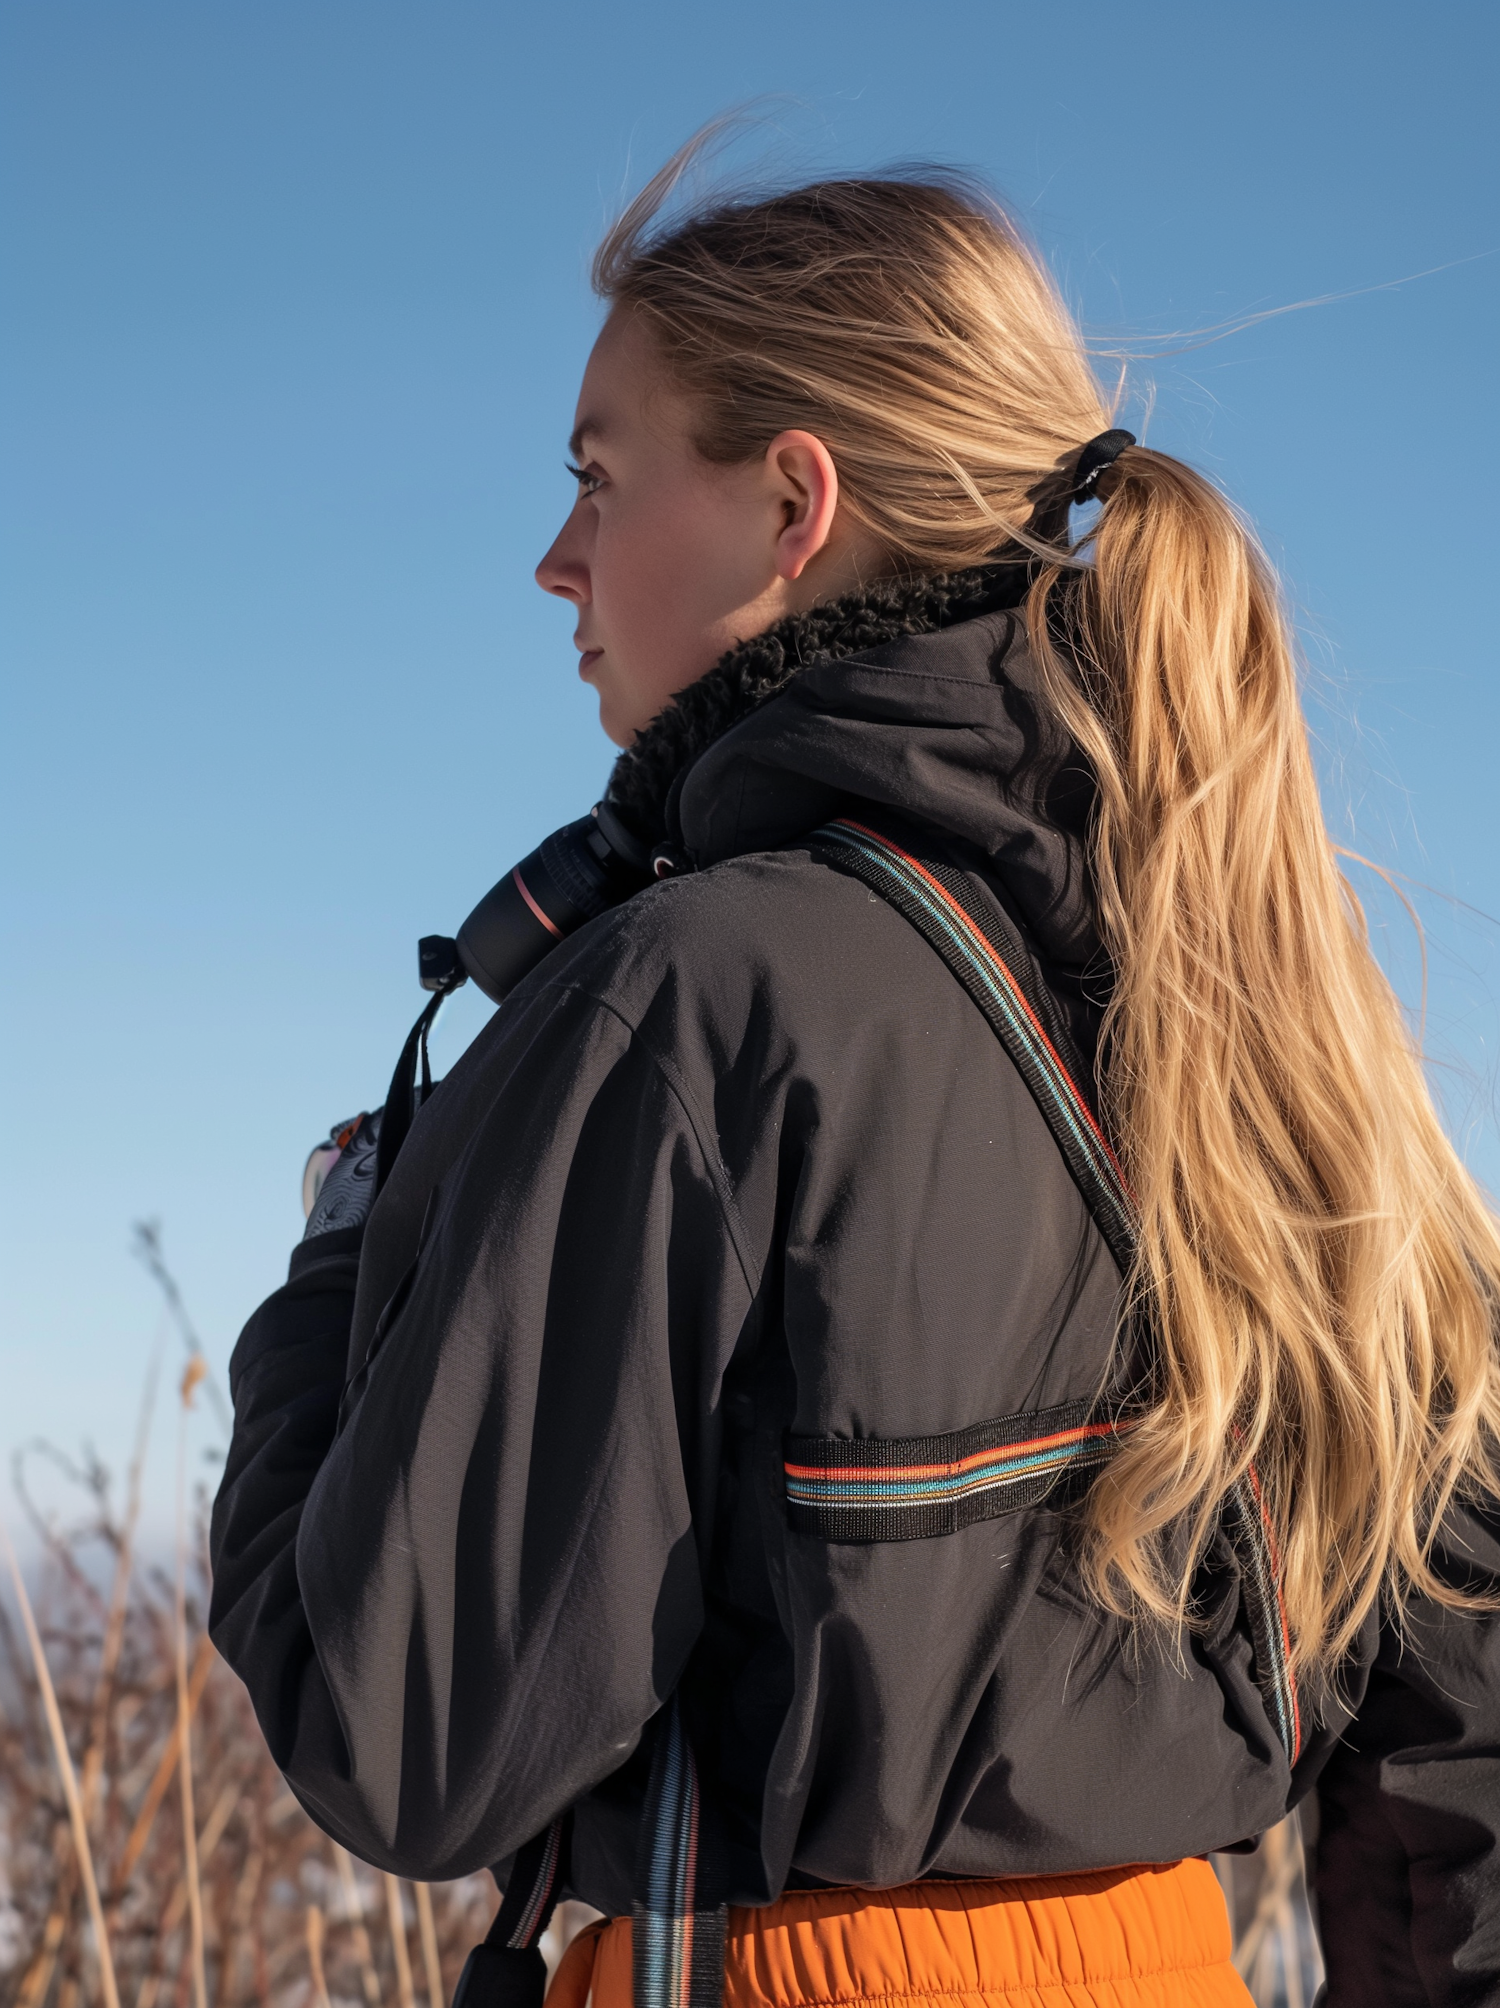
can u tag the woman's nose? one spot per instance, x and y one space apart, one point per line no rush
563 570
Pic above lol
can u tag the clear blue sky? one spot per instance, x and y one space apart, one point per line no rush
294 312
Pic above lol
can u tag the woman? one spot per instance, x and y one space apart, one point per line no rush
790 1477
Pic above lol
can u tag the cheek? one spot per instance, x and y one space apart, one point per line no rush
665 580
637 563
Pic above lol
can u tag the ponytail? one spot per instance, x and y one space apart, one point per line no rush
1319 1270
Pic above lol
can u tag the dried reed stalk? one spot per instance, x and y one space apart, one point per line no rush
241 1911
208 1840
432 1965
117 1692
396 1918
166 1769
315 1956
69 1781
192 1374
148 1249
1280 1863
354 1912
119 1601
1268 1955
172 1916
38 1976
213 1827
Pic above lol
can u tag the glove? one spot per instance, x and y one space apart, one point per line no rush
338 1184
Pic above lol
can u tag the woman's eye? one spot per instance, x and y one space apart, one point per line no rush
587 482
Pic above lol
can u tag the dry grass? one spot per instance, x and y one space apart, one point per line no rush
1276 1950
283 1916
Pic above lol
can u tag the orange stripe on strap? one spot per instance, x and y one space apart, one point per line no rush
1002 1453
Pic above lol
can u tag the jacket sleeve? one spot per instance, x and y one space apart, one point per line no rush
457 1605
1408 1870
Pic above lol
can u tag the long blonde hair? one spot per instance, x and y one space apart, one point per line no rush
1321 1273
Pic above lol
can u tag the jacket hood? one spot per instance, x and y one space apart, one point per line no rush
921 697
948 729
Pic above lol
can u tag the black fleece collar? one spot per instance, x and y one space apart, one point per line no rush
760 668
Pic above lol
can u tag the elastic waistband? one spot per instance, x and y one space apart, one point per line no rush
1118 1938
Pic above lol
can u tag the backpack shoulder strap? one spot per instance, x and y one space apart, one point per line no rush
932 895
929 893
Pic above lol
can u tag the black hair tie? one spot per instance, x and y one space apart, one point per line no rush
1099 454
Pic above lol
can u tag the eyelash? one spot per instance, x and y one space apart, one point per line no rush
580 475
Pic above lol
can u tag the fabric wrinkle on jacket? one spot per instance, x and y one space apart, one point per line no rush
740 1158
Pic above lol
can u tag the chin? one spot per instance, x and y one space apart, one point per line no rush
618 716
615 729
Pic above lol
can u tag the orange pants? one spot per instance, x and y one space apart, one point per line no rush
1119 1938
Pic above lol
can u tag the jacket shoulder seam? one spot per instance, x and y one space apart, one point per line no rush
704 1135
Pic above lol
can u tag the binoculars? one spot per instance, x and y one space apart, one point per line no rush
573 875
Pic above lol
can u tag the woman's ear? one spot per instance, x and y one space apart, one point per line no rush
806 485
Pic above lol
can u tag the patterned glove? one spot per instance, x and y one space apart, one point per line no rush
338 1185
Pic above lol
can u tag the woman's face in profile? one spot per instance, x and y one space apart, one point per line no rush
669 558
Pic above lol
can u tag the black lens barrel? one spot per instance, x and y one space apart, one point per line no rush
575 874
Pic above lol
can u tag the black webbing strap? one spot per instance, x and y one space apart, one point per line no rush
508 1970
402 1098
931 894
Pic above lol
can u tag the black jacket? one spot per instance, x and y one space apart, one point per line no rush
742 1159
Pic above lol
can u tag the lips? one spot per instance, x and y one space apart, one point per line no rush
587 660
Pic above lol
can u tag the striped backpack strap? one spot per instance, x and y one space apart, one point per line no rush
932 895
678 1921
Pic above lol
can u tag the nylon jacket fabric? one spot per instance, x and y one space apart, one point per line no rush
1408 1865
741 1158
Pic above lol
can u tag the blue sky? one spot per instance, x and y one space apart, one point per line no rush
294 313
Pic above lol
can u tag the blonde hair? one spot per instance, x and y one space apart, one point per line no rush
1320 1271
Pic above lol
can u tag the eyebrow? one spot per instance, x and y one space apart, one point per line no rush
585 428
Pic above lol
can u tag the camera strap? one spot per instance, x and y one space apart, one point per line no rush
403 1098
